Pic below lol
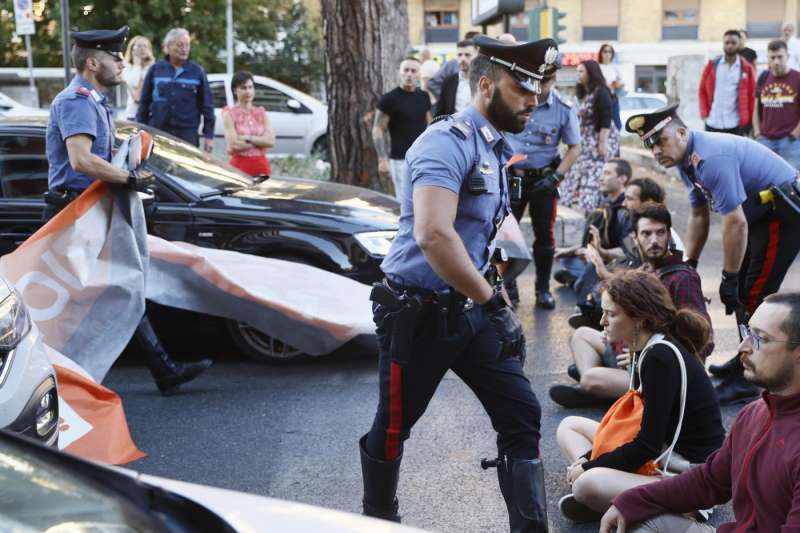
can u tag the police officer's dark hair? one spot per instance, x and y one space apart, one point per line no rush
483 66
464 42
776 45
649 190
653 211
732 32
623 168
80 55
240 78
791 324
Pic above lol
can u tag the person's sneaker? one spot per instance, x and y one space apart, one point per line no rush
564 277
735 389
578 319
545 300
572 397
572 371
573 510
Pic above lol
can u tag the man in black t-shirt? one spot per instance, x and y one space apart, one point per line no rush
405 112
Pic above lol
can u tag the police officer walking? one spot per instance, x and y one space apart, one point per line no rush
553 121
441 304
80 137
726 173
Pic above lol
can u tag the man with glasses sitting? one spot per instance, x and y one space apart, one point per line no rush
758 466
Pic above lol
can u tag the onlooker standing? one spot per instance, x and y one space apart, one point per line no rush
427 71
779 125
600 139
792 44
138 59
176 93
605 58
747 53
448 69
405 111
758 466
248 132
726 90
456 94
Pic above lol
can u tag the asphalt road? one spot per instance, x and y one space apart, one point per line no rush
291 431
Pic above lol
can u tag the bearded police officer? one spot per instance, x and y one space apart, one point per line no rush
80 138
441 305
552 122
726 173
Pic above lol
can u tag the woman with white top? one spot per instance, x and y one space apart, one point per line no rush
138 59
605 58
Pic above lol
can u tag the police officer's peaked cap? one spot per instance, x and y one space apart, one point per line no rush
648 126
529 63
110 41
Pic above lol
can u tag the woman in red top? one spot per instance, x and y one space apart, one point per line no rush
247 129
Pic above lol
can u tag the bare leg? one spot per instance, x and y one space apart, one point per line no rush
587 346
575 435
606 383
596 487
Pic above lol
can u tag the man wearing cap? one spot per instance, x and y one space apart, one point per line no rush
553 121
80 138
441 305
726 173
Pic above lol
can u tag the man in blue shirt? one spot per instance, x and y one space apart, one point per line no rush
554 121
441 305
80 138
175 94
726 173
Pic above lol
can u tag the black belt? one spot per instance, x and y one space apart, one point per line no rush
449 299
61 197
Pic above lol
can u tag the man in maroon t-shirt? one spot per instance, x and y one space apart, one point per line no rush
779 126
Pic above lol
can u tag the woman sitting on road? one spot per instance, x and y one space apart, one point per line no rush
247 129
638 311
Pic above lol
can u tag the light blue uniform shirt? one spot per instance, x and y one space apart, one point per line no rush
551 122
442 157
730 171
78 109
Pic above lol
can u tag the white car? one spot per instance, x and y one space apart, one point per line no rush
300 121
635 103
12 108
48 490
28 392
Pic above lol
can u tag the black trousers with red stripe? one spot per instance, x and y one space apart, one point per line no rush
470 349
772 246
542 208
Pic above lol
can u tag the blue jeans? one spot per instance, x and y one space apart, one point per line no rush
787 148
574 265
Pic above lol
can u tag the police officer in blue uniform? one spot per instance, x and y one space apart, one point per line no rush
725 173
441 305
554 121
80 138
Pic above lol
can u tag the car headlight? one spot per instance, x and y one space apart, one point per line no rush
14 321
376 242
47 413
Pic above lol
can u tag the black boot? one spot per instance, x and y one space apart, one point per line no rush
543 260
167 373
735 389
727 368
380 485
522 485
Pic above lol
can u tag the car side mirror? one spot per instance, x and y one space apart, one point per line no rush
294 105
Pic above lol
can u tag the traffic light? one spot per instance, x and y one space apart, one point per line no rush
543 23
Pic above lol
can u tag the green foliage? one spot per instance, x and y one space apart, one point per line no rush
301 167
279 39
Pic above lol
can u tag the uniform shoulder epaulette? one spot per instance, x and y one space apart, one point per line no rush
83 91
439 118
563 101
462 130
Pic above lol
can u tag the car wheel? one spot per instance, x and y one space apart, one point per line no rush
256 345
321 149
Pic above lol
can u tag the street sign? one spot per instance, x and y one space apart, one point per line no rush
23 15
491 11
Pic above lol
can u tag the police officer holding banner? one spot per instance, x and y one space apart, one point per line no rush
552 122
441 305
80 138
727 173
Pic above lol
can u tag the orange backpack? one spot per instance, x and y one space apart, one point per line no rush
623 420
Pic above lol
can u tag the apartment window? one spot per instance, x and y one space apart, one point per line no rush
441 21
764 18
600 20
651 79
680 19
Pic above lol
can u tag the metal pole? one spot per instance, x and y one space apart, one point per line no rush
65 40
229 34
31 81
506 23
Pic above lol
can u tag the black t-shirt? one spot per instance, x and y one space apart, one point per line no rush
407 112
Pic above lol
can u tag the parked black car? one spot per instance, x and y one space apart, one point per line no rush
200 200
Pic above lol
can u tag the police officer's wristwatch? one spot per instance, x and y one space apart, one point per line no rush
132 179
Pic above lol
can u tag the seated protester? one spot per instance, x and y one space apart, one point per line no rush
607 223
637 310
597 368
758 466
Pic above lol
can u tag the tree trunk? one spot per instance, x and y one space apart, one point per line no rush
365 42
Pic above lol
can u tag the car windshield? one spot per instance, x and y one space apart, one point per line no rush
192 169
40 495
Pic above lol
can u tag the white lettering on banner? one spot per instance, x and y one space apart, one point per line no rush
40 278
50 260
71 425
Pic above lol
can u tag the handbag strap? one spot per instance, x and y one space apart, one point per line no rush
659 339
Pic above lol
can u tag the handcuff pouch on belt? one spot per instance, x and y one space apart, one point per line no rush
786 199
403 311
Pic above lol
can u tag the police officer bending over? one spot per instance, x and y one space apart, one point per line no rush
726 173
80 137
441 305
553 121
